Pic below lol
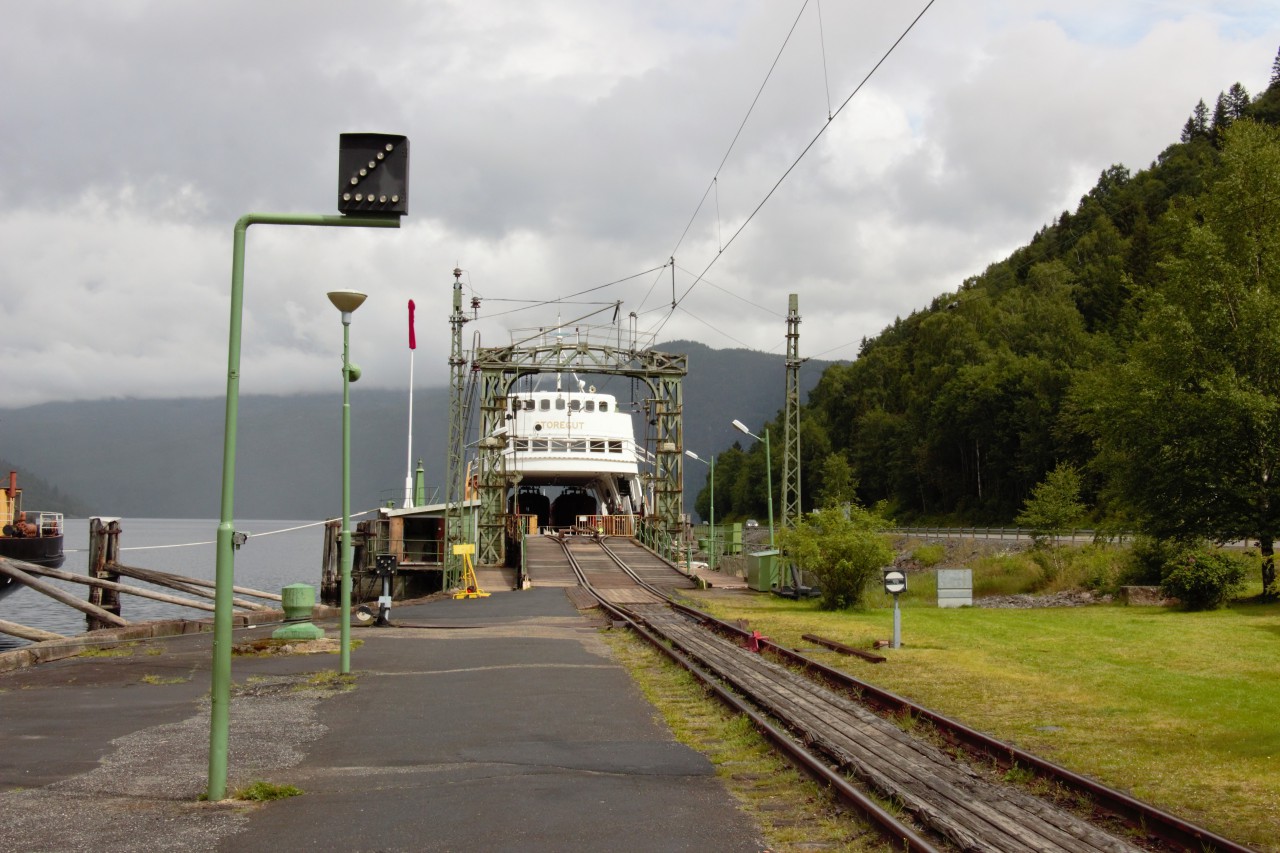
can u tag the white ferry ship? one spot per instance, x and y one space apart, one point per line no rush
578 446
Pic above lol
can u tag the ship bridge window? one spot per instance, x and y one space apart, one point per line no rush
615 446
597 446
528 405
545 406
521 444
591 405
559 404
604 407
575 405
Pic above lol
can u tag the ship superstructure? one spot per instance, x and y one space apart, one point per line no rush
572 454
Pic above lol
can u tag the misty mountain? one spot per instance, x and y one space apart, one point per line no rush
163 458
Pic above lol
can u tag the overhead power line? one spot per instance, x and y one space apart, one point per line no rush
795 163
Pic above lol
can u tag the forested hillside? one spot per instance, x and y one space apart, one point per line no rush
1132 338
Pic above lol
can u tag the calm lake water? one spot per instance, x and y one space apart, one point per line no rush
273 557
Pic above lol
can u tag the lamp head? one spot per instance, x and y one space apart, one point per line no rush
741 427
346 301
692 455
353 372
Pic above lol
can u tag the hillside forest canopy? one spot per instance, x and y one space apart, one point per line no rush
1132 340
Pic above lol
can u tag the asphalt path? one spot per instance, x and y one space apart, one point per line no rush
492 724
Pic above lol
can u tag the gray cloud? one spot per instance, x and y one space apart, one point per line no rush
557 146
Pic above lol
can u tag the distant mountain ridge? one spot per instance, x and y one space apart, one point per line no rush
163 458
39 495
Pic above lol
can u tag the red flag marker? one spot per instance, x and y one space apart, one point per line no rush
413 341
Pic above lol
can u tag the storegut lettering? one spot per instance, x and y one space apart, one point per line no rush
559 424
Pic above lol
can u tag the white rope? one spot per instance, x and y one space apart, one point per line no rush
214 541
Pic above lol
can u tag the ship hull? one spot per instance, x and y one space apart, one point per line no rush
41 550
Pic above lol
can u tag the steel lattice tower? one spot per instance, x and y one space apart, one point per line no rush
454 471
791 511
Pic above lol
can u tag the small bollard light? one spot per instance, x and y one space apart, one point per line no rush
298 599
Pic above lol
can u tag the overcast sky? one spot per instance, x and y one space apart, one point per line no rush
556 146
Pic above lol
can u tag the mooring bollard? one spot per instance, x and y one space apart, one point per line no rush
297 600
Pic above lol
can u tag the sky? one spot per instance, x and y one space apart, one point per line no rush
557 147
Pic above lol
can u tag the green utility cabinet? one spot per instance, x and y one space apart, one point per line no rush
762 570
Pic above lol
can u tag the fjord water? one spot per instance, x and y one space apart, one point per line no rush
268 561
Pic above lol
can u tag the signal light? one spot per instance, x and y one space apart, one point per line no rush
373 174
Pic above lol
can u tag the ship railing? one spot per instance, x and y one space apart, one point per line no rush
608 525
519 526
50 523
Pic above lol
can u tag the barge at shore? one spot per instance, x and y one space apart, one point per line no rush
26 535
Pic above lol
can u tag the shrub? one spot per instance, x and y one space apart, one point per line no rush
1202 579
843 548
1150 556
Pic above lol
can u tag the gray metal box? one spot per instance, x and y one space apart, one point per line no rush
955 587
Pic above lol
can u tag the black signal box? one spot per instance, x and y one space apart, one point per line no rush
373 174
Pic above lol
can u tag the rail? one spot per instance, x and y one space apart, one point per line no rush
950 800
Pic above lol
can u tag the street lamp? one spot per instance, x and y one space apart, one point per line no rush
379 206
346 301
768 469
711 549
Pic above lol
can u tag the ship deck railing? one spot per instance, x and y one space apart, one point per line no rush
608 525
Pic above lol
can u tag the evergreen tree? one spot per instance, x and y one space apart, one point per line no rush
1221 119
1237 101
1199 122
1275 69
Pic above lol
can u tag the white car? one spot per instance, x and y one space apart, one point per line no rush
752 523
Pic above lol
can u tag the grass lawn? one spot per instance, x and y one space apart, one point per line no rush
1180 709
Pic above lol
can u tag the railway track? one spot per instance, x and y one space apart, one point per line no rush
834 725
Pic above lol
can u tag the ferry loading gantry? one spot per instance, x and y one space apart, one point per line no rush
501 367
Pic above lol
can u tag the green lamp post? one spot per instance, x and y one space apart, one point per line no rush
711 548
346 301
768 470
373 192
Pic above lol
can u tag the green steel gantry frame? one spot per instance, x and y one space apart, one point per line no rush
499 369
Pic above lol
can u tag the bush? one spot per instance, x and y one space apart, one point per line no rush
843 548
1202 579
1150 556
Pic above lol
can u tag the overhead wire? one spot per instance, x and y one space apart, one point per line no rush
796 162
715 328
736 296
564 299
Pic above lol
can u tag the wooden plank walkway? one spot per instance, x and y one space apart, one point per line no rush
945 795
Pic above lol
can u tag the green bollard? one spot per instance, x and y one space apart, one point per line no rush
298 599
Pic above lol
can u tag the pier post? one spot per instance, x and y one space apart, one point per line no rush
104 553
